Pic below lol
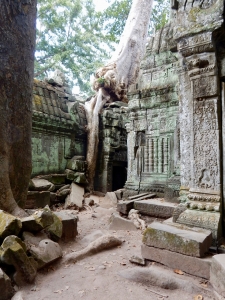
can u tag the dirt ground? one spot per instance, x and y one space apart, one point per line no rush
109 274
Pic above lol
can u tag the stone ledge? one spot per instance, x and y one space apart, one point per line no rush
192 241
192 265
217 274
155 208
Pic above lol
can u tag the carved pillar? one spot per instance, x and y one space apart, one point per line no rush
160 155
151 155
204 143
155 155
165 155
146 163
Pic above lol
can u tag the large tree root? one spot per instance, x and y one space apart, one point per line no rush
102 243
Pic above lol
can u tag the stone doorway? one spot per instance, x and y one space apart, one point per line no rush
119 175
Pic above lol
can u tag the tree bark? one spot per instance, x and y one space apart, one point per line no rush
17 44
112 81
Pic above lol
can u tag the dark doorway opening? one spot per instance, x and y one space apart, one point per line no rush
119 177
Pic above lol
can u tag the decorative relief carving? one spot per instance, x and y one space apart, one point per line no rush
205 86
206 145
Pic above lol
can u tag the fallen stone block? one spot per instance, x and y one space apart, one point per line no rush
125 206
6 288
70 175
110 200
62 194
18 296
75 164
119 223
14 253
38 184
69 224
80 178
46 252
58 179
192 265
137 260
217 274
180 239
102 243
76 196
37 199
155 208
9 225
55 229
38 220
119 194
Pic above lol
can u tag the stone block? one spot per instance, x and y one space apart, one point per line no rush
55 229
58 179
14 253
38 220
46 252
70 175
37 199
39 184
180 239
5 286
69 224
125 206
192 265
9 225
75 165
119 223
110 200
155 208
137 196
217 274
76 196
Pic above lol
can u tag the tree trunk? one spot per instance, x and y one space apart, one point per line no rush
17 44
112 81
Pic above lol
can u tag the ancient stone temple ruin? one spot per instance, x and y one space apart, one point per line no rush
169 138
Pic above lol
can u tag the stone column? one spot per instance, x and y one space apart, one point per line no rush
151 155
165 155
155 141
160 156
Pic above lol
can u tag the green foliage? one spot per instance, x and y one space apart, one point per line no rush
73 37
70 38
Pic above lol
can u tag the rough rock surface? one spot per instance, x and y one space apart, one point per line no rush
217 274
76 196
188 241
119 223
155 208
192 265
14 253
55 230
110 200
37 184
39 220
6 289
69 224
9 225
46 252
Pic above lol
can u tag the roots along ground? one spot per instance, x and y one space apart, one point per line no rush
103 275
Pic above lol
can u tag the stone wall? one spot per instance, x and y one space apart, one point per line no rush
58 128
153 128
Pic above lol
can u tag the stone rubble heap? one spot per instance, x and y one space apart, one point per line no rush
31 243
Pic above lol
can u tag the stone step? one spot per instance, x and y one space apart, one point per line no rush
217 274
125 206
192 265
137 196
155 208
192 242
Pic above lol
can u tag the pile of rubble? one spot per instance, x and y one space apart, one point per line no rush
30 243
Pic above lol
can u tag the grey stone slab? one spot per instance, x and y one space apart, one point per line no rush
155 208
76 196
125 206
217 274
192 265
69 224
119 223
137 196
192 242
